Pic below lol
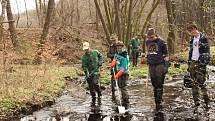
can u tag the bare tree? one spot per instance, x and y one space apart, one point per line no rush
171 34
137 22
49 15
11 24
102 20
2 40
108 16
117 23
128 37
38 12
149 16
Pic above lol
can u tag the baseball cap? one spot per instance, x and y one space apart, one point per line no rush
86 45
120 43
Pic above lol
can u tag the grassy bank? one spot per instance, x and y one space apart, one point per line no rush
23 85
141 72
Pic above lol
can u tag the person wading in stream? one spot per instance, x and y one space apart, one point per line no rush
157 54
91 62
135 48
112 50
199 57
121 62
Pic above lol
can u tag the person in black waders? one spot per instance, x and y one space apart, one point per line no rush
199 57
121 62
157 54
111 51
91 62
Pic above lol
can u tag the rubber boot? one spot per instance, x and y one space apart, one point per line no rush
93 103
195 92
205 97
99 100
207 102
125 103
158 93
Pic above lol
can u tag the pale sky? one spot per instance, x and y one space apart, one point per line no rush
19 5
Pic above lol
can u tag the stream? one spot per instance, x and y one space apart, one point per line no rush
177 105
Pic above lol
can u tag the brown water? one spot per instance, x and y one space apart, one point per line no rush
178 106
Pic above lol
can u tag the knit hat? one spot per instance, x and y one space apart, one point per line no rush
151 31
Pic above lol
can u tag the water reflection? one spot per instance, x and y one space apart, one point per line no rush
95 113
159 116
126 117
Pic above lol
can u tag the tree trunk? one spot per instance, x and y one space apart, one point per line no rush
97 21
78 13
137 22
11 24
2 40
41 12
128 37
38 13
171 35
51 6
50 11
108 17
202 15
118 25
149 16
124 21
102 20
2 17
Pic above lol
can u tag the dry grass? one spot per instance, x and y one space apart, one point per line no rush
24 84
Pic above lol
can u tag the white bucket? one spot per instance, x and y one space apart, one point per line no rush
121 109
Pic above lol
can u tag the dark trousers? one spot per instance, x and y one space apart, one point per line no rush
198 74
94 86
122 82
113 83
157 79
135 54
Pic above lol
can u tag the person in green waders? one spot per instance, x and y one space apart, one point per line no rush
91 62
121 61
135 48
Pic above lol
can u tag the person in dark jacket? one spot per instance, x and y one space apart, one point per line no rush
91 62
199 57
113 47
157 54
111 52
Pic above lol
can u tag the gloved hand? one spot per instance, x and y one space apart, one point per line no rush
113 63
188 63
86 75
119 74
